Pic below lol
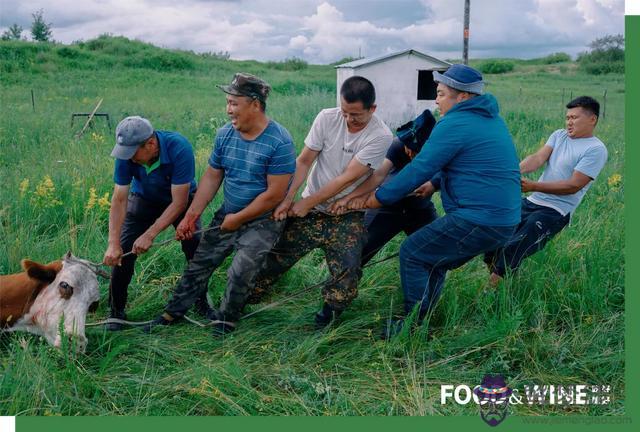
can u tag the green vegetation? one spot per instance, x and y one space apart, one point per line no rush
606 56
496 66
40 29
560 320
559 57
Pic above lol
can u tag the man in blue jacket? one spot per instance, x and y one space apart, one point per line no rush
471 159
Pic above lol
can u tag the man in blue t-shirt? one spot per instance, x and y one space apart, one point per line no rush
255 158
471 150
574 158
154 181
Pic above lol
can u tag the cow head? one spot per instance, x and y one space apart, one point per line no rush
65 300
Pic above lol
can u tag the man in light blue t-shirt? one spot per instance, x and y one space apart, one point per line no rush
574 158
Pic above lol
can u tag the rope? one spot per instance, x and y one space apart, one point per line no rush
266 307
141 323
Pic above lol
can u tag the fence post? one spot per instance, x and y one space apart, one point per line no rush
604 106
33 101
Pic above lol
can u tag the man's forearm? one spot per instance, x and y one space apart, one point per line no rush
530 164
260 205
302 170
331 189
167 217
561 187
207 189
367 186
116 219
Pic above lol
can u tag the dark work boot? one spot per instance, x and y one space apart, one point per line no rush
115 326
222 325
324 317
203 308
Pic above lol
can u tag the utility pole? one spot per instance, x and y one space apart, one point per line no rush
465 49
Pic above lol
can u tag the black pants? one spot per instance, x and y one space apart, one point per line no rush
538 225
141 214
385 223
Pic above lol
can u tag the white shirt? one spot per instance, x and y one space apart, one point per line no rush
337 146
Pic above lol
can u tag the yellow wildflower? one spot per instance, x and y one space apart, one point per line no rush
24 187
97 138
44 194
104 202
93 197
615 180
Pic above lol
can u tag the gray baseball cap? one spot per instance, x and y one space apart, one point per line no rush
131 133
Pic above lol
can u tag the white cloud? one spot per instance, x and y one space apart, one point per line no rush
321 30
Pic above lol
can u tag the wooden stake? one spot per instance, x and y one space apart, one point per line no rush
90 118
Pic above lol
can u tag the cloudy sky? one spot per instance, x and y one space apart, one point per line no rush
323 31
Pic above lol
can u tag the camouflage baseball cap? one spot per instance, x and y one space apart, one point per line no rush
245 84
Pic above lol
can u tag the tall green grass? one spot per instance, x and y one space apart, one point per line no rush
560 320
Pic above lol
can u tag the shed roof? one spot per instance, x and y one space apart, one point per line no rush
368 61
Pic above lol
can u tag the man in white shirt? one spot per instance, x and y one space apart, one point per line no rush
342 149
574 158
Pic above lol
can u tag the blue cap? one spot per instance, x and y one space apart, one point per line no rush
461 77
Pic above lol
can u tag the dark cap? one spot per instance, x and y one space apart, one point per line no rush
245 84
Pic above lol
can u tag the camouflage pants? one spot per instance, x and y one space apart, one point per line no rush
251 242
340 237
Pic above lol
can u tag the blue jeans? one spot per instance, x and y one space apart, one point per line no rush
444 244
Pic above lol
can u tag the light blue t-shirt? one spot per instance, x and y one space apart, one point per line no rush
246 164
587 155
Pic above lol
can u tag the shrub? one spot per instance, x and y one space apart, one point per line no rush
292 64
558 57
606 56
496 66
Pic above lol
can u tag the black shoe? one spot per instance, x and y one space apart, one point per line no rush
221 325
203 309
325 316
116 326
222 328
160 321
392 329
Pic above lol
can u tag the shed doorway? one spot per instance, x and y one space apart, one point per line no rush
426 85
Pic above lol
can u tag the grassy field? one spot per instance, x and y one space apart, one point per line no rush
559 321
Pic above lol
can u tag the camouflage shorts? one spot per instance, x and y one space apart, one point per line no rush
340 237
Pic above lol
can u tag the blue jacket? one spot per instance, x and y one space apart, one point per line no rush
473 153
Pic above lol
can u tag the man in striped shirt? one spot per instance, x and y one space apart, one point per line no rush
255 158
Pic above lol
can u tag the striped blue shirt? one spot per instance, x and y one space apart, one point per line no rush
246 164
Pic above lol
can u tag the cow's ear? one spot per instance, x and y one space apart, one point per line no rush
68 255
45 273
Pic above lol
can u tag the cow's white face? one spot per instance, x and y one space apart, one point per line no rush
66 299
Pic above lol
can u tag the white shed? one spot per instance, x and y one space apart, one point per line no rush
403 81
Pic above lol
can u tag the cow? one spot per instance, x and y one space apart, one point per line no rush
42 297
